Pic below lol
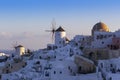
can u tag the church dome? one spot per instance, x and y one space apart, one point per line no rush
100 27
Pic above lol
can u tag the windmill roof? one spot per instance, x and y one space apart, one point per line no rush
19 46
60 29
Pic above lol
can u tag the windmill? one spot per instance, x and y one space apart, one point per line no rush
53 29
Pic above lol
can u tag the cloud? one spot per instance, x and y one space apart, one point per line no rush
28 34
23 35
28 39
5 35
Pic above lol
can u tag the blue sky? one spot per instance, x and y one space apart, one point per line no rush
25 21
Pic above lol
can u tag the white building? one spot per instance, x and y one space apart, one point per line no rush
82 41
110 69
20 50
117 33
60 68
102 39
60 37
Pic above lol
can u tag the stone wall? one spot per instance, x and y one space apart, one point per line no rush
84 65
12 67
96 54
114 53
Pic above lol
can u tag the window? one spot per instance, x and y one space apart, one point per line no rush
69 67
111 65
25 63
60 72
40 57
47 74
83 39
77 53
7 71
76 44
12 55
110 78
59 42
101 36
91 55
109 35
114 35
38 62
23 66
54 72
79 68
8 64
0 76
55 47
101 65
105 36
49 47
97 37
102 42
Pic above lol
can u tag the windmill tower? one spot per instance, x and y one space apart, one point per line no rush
60 37
53 29
20 50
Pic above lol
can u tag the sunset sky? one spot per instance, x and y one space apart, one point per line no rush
25 21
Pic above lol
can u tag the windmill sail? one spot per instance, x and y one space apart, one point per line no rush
53 29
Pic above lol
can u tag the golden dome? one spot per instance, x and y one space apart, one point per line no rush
100 27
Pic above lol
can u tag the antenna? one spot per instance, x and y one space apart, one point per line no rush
53 28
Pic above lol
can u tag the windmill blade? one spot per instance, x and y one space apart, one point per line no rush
14 45
53 37
53 29
48 30
53 25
